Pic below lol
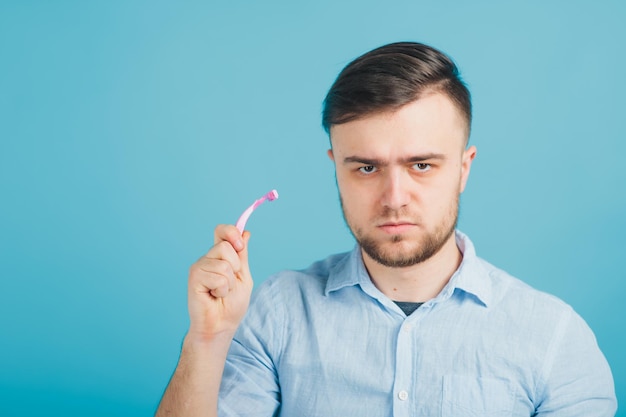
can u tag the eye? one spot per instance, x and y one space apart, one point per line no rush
421 167
367 169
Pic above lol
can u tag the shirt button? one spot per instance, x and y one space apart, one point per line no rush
403 395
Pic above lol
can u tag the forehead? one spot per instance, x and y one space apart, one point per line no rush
430 124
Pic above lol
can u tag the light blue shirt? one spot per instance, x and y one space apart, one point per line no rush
326 342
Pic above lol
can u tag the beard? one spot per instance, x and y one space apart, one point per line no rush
389 251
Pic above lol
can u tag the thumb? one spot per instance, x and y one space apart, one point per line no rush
244 272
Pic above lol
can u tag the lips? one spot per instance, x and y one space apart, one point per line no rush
396 227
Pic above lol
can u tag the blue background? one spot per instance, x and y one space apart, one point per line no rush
129 129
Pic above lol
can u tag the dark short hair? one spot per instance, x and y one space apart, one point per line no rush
391 76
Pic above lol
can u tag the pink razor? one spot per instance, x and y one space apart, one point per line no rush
241 223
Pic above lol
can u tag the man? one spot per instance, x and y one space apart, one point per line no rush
411 322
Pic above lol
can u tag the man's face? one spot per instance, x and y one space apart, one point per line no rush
400 175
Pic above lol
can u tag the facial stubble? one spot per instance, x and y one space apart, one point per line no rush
431 241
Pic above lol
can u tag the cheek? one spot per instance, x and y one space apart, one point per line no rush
351 200
355 201
348 187
440 195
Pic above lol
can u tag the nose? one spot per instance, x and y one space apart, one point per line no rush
396 192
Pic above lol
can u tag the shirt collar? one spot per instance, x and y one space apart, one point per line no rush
348 272
471 277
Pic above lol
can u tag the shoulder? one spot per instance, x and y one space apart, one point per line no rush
515 307
512 290
285 298
545 336
500 290
536 313
312 278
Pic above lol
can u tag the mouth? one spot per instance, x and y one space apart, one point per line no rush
395 228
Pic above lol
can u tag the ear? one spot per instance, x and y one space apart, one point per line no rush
466 164
330 155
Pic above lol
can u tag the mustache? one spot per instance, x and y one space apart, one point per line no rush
389 215
397 216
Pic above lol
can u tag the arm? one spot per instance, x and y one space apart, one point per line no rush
219 292
577 380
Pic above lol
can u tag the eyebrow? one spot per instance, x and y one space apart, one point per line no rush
379 162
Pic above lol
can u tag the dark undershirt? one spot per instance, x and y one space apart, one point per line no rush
408 307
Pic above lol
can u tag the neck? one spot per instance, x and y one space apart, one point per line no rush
420 282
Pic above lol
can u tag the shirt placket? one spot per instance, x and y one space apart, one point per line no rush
402 387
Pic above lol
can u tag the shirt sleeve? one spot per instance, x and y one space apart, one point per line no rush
577 379
250 385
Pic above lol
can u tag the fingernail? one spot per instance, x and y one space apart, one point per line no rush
238 245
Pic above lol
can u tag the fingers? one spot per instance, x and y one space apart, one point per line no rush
218 272
223 251
215 276
230 234
220 284
239 242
